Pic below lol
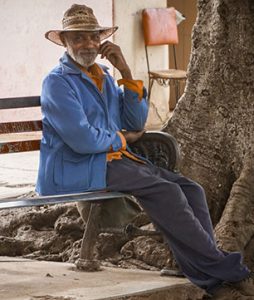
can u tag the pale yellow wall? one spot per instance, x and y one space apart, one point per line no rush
127 15
183 49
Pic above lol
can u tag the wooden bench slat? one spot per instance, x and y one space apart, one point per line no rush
20 102
22 126
23 146
50 200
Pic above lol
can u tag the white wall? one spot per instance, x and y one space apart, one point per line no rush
127 15
26 56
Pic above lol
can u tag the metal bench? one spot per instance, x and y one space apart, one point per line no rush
160 148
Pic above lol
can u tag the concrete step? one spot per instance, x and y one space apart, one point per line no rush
22 279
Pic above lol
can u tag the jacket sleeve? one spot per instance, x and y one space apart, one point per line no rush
134 108
65 114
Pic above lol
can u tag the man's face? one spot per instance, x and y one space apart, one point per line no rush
82 46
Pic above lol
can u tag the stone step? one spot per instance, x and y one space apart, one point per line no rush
22 279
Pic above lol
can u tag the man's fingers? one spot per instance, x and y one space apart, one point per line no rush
108 45
141 132
107 53
133 136
107 49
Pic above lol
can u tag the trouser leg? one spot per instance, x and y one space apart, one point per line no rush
195 195
167 205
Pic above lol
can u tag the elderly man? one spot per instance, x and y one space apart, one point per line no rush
87 123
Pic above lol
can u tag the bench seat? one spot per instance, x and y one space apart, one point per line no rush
159 147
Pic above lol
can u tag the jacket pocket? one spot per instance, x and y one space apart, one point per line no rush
71 172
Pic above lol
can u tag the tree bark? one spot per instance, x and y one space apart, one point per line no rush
214 119
236 226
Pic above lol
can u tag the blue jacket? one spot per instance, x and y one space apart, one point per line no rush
80 125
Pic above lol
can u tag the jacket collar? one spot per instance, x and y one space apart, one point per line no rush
68 67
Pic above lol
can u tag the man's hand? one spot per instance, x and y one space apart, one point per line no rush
132 136
113 53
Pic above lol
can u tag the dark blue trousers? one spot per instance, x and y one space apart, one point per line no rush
178 207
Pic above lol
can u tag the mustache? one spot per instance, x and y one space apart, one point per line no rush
88 52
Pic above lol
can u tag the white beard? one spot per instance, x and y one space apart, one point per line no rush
85 57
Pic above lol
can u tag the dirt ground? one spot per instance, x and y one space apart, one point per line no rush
54 233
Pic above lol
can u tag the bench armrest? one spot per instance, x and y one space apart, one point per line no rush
160 148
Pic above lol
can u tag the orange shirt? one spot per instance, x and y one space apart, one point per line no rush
96 74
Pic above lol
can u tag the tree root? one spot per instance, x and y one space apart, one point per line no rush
236 226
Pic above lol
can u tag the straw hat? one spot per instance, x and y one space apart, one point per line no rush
79 18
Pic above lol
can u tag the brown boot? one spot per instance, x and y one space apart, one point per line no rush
229 293
246 286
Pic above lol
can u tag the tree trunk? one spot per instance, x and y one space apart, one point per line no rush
214 119
236 226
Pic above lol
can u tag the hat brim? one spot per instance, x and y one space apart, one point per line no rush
54 35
